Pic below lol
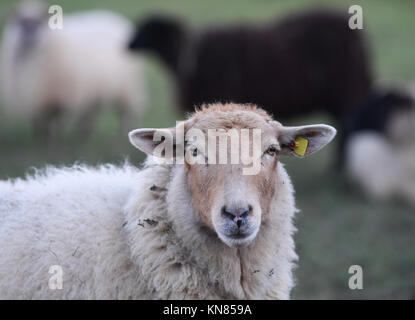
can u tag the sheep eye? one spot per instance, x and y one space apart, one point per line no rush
195 153
272 151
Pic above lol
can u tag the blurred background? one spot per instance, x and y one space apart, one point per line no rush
339 225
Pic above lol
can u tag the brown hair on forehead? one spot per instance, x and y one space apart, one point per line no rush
229 107
227 116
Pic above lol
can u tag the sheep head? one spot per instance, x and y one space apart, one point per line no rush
161 35
230 155
29 17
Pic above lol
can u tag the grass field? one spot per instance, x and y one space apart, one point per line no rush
338 227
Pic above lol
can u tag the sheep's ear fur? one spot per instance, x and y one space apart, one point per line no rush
155 142
315 137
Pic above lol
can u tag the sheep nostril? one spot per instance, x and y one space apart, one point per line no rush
239 216
239 222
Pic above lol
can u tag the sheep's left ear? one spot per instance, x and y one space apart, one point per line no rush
304 140
156 142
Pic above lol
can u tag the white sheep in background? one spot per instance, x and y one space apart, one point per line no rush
48 72
168 231
382 162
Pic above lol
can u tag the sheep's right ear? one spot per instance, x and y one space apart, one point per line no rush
156 142
304 140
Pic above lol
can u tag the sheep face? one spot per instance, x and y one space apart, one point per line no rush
232 189
29 17
232 203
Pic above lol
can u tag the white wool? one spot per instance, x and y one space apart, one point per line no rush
384 164
69 217
83 65
371 163
115 237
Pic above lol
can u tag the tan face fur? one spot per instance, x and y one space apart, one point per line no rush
219 187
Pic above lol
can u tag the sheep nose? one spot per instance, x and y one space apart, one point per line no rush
238 215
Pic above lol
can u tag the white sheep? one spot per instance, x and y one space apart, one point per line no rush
46 72
167 231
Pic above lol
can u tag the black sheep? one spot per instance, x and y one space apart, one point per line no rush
298 64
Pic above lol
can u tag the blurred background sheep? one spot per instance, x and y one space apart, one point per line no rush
46 72
346 223
380 149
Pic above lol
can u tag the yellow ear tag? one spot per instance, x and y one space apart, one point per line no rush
300 146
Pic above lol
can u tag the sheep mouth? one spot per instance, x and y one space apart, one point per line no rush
238 237
238 233
238 240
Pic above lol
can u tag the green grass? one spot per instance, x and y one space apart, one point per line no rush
338 226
